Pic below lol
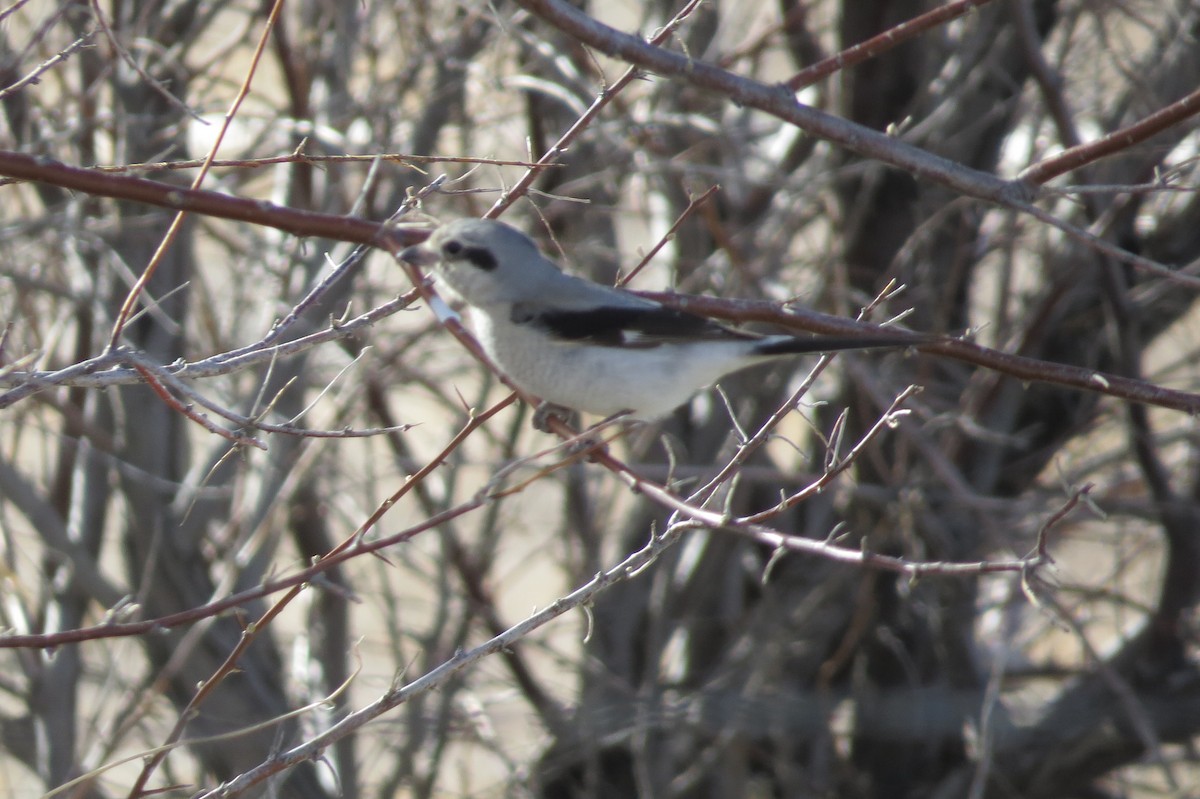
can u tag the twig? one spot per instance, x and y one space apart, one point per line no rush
298 157
133 64
1126 696
435 678
888 419
243 730
603 99
41 69
114 369
693 205
881 43
158 377
1101 245
751 444
200 419
1048 82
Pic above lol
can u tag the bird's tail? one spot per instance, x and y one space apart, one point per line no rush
794 345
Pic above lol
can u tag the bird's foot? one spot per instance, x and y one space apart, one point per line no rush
546 411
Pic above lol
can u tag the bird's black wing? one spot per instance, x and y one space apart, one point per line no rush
623 326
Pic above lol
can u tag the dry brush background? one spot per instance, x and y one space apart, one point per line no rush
268 528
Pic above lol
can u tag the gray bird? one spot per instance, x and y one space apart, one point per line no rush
588 347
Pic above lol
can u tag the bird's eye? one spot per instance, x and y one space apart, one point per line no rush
452 247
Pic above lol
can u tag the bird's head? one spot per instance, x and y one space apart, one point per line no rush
483 261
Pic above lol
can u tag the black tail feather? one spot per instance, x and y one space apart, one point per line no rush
794 345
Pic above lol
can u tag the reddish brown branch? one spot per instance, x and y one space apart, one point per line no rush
1015 366
1114 142
780 102
210 203
881 43
184 410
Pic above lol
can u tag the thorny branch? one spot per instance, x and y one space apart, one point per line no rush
692 515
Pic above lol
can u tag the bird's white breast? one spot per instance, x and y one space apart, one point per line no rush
649 382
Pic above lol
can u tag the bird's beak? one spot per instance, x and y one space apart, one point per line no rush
419 255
